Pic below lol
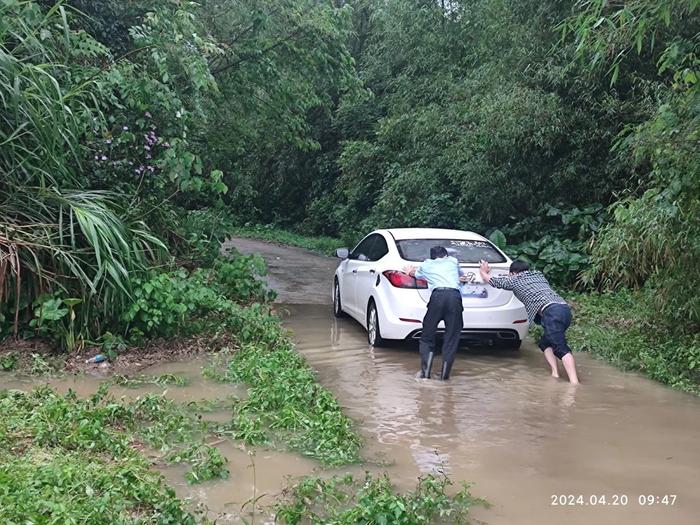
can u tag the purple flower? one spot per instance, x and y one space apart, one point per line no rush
104 157
148 115
108 141
126 128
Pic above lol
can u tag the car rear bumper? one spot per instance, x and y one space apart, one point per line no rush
500 324
479 336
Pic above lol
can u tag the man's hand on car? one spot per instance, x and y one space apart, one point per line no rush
485 270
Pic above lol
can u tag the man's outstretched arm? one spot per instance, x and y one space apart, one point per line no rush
485 271
497 282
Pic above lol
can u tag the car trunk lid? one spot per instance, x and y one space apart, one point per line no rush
476 293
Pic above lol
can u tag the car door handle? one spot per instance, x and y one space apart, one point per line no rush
372 271
354 271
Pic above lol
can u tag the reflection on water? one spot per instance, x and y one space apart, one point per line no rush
257 475
196 389
519 434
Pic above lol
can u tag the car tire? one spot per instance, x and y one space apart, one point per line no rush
513 345
337 304
374 335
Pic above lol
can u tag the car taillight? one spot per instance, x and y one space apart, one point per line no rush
403 280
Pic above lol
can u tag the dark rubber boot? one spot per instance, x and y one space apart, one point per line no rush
446 367
426 366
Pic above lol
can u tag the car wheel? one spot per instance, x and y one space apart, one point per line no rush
337 305
512 345
374 335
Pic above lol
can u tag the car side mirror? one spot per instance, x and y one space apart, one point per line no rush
342 253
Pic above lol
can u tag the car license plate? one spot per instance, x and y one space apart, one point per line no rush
473 289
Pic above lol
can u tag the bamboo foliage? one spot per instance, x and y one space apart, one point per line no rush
42 116
55 236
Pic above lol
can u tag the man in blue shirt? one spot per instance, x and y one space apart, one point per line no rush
442 273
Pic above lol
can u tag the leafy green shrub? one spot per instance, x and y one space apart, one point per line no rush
59 234
93 151
112 344
561 260
207 463
54 318
560 247
653 241
238 279
346 501
198 235
8 362
181 302
172 303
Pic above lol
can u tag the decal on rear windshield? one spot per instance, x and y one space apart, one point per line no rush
464 250
476 244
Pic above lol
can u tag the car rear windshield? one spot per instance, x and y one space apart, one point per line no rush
464 251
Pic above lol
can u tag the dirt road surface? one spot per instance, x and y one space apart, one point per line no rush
298 276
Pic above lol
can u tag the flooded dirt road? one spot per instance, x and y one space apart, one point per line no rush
618 449
289 272
539 449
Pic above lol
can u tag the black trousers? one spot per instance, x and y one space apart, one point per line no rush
444 305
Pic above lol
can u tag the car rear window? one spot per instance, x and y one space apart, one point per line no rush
464 251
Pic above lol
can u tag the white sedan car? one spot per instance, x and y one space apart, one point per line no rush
370 286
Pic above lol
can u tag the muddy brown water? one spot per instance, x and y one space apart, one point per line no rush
538 449
522 437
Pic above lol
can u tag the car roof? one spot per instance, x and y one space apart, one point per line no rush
432 233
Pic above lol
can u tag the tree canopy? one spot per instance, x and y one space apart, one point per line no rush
565 130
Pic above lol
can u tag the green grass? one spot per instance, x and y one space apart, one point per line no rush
285 403
141 380
71 461
318 244
622 328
